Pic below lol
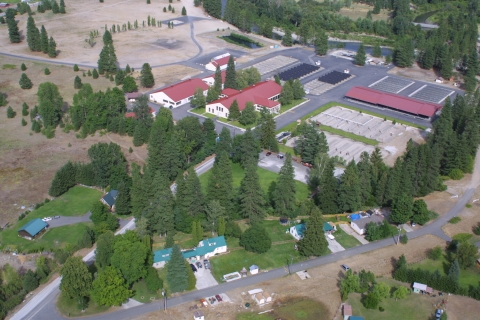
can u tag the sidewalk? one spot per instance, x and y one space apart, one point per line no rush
345 227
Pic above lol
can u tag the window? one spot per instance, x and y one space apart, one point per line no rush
165 100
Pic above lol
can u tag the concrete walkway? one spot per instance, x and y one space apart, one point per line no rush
406 227
345 227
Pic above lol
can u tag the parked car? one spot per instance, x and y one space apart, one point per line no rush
413 224
280 156
204 302
194 269
269 153
438 314
56 217
47 219
219 299
206 263
345 267
199 264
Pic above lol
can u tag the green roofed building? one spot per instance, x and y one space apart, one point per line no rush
205 249
32 229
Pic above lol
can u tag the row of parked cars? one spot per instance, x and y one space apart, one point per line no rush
199 265
49 218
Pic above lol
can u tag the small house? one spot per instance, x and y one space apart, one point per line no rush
328 228
32 229
421 288
198 315
220 61
254 269
259 299
109 199
360 224
297 231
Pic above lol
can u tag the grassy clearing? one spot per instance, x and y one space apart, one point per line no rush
468 276
284 149
359 10
276 231
69 307
8 66
238 124
142 294
296 308
349 135
266 178
347 241
235 260
294 103
414 306
291 127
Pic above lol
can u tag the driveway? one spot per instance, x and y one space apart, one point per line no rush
205 278
65 221
348 230
334 246
272 163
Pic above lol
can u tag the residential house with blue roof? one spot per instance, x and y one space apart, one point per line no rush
297 231
109 199
32 229
204 250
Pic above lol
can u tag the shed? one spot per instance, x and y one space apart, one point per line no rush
327 227
298 230
198 315
254 269
32 229
356 318
421 288
267 296
259 298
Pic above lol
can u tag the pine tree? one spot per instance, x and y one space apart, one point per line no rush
230 75
446 64
62 7
248 116
108 59
77 84
160 210
287 38
349 192
314 242
75 67
24 109
127 69
246 149
95 74
221 226
10 113
327 194
122 203
297 90
13 32
55 7
286 96
361 56
284 201
321 43
310 143
377 51
146 76
184 11
177 276
46 71
23 67
428 58
472 69
267 127
52 48
217 83
454 271
220 182
250 195
190 199
33 35
25 82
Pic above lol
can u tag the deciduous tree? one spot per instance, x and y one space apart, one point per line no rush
256 239
104 250
248 115
130 256
76 280
109 288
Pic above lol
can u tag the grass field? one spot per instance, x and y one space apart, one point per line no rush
348 135
291 127
414 306
266 177
235 260
142 294
290 105
347 241
296 308
468 276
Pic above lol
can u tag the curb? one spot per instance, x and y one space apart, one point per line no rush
298 105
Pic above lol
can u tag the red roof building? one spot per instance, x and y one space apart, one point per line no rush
263 94
221 61
393 101
131 114
210 80
178 94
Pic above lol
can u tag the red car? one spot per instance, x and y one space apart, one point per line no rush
268 153
219 299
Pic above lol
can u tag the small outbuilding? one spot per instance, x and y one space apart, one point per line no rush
133 96
298 230
198 315
267 296
254 269
259 299
32 229
421 288
327 227
109 199
359 225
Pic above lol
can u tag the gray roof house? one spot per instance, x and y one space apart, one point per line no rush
109 199
360 224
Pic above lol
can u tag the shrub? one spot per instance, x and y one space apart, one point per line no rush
10 113
456 174
476 229
46 71
371 301
435 253
24 123
154 283
46 200
468 205
20 217
23 67
381 309
455 220
404 239
256 239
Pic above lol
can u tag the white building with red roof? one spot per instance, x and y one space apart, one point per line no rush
178 94
210 80
221 61
263 94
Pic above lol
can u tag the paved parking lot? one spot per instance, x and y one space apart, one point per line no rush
273 64
272 163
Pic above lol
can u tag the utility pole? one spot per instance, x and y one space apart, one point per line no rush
164 294
398 239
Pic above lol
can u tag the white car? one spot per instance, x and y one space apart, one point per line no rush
47 219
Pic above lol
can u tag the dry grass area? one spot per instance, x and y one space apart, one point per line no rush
323 286
359 10
470 217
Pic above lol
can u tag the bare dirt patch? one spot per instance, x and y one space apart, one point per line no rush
323 286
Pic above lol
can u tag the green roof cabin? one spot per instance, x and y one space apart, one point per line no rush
32 229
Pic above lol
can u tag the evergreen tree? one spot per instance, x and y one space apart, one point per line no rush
122 203
326 197
234 111
46 71
184 11
313 242
146 76
24 109
77 84
349 192
321 43
287 40
52 48
402 207
217 83
190 199
220 182
297 90
446 64
33 35
361 56
404 53
10 113
230 75
13 32
224 143
221 226
198 99
212 94
454 271
251 198
277 80
472 70
127 69
23 67
428 58
248 116
177 276
95 74
62 8
25 82
119 77
246 149
266 129
129 84
107 38
286 96
104 249
55 7
50 104
377 51
214 211
108 59
310 143
75 67
284 201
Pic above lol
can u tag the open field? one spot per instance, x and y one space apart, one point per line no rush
266 178
359 10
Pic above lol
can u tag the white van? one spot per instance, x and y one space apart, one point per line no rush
329 236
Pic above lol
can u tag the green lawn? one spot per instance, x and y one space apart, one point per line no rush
234 261
197 110
76 202
347 241
349 135
238 124
291 127
69 307
290 105
266 178
284 149
414 306
142 294
469 276
276 231
295 309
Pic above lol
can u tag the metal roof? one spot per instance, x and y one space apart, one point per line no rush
184 89
33 227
